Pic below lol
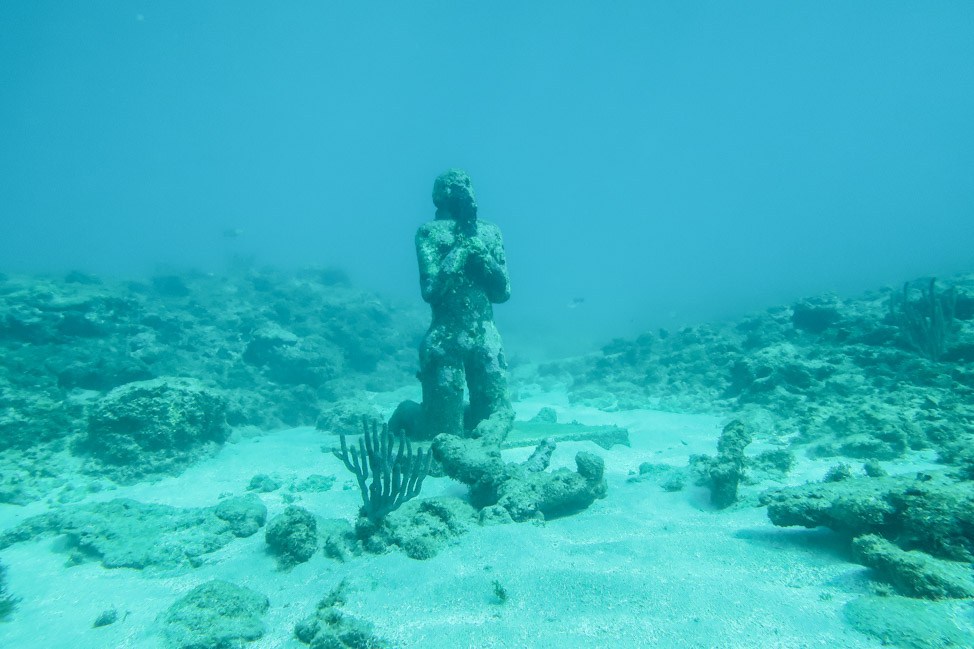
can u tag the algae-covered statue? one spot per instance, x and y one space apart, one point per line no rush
462 272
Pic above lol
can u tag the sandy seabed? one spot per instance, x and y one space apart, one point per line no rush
641 568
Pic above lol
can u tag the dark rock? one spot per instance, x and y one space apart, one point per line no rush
346 416
420 528
245 515
263 484
776 463
724 473
217 615
79 277
546 415
7 601
104 372
292 536
170 286
287 359
838 473
408 420
124 533
815 315
914 573
315 483
105 618
929 512
155 426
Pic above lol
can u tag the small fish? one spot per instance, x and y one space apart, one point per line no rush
232 233
576 302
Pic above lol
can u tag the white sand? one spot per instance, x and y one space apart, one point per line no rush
642 568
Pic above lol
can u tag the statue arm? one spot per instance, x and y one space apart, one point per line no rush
435 272
496 281
429 274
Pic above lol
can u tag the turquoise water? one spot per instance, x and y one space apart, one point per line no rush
678 161
727 401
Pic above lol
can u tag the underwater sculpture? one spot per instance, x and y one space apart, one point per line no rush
462 272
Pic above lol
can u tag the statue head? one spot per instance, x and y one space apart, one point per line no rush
453 196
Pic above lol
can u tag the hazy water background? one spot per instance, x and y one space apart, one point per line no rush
667 162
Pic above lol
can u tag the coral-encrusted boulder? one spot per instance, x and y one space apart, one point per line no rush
292 536
217 614
157 426
288 359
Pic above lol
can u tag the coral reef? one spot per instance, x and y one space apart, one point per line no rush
124 533
837 376
286 359
925 323
91 380
280 347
